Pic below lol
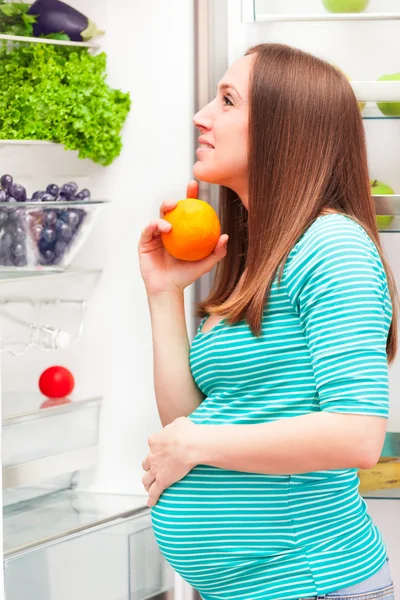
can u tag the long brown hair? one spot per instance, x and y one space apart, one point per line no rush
307 153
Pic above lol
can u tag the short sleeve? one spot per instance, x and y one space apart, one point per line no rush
337 285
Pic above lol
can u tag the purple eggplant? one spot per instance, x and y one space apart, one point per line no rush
54 16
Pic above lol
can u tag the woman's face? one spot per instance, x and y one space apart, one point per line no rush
223 126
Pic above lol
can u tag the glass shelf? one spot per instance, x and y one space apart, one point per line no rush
53 517
264 11
36 40
73 285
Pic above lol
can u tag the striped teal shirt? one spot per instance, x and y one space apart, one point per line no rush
248 536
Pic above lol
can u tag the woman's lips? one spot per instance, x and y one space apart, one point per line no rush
203 150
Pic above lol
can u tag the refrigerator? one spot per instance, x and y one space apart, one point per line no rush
75 521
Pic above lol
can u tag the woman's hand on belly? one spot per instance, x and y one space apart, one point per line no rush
169 459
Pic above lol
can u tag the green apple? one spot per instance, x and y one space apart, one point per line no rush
345 6
390 109
383 221
378 188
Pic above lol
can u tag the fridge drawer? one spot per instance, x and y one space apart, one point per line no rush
104 561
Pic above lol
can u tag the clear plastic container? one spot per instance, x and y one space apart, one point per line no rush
44 235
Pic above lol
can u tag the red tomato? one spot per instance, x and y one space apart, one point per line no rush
56 382
54 402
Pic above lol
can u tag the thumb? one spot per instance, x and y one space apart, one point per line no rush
217 254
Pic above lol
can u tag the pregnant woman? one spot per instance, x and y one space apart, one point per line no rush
283 394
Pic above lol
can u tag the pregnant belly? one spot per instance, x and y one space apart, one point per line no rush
215 520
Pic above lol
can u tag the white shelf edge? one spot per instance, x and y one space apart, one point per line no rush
35 471
137 510
28 143
40 413
376 91
270 18
36 40
388 204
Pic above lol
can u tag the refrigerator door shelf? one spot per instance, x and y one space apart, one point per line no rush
372 112
82 545
311 10
296 17
38 443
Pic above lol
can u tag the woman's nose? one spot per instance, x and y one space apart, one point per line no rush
202 119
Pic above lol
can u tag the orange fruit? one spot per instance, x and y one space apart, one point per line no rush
195 230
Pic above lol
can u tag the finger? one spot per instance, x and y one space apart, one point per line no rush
221 245
154 228
146 464
167 206
148 479
192 190
155 492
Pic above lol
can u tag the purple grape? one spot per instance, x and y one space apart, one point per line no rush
47 198
65 232
53 189
37 196
3 196
18 192
47 257
20 261
49 235
7 260
6 181
18 250
49 218
3 217
19 234
7 240
68 190
17 214
11 199
72 219
60 248
85 194
72 186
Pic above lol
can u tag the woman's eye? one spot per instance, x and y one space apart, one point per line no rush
227 100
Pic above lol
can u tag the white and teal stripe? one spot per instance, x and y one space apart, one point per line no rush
246 536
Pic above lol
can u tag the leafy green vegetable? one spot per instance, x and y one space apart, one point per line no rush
60 94
14 20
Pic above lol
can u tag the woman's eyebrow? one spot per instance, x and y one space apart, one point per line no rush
225 86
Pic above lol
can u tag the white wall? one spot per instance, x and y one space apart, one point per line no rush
150 54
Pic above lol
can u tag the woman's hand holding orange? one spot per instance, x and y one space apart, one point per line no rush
162 272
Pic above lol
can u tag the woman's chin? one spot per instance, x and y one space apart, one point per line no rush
202 173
